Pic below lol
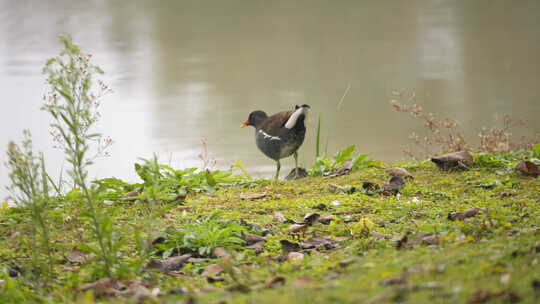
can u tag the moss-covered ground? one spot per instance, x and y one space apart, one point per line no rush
492 256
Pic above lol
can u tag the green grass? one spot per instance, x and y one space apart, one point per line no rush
497 250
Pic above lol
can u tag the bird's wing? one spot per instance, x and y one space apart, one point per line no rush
273 124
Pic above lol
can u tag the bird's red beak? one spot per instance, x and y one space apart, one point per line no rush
244 124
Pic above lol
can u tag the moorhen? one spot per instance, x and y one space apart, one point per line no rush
279 135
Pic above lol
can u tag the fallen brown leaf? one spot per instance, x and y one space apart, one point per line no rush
464 214
104 287
197 260
295 256
528 168
341 238
251 196
456 160
381 236
131 194
78 256
420 238
251 238
169 264
345 169
279 217
220 252
483 296
257 247
113 287
297 227
70 267
274 282
212 270
318 242
397 280
397 171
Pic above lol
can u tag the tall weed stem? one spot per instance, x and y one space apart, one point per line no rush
73 102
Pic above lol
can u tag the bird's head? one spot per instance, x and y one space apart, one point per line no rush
255 118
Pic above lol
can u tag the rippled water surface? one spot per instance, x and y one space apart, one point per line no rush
186 70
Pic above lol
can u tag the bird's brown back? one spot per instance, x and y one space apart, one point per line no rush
273 124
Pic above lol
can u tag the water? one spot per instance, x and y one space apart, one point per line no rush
187 70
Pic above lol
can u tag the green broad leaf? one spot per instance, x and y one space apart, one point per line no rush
344 154
210 179
536 151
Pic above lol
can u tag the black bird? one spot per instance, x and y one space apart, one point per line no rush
279 135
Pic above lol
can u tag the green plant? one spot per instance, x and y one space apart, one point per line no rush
73 102
536 151
325 166
30 189
202 237
152 200
172 182
495 160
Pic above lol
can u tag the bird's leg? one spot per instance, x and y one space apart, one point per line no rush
296 164
278 166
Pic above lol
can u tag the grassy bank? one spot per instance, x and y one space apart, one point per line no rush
365 247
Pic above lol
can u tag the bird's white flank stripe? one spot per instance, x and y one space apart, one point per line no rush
294 117
266 135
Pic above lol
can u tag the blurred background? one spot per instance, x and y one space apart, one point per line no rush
187 70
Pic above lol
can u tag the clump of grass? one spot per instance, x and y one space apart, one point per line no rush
203 236
73 102
29 189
